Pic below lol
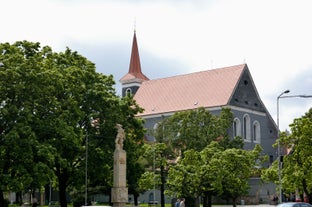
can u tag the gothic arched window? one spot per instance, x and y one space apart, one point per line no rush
256 132
237 127
246 128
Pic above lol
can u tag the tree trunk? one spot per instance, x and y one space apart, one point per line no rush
234 202
190 201
207 199
2 201
162 186
62 189
18 198
135 197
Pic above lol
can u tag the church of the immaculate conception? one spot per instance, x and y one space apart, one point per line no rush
230 87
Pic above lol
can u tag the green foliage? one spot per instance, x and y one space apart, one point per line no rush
153 155
185 134
214 169
193 174
236 167
270 174
148 181
50 104
296 172
195 129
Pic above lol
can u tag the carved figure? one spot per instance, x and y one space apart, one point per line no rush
120 137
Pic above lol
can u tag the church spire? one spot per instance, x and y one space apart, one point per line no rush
135 73
135 64
132 81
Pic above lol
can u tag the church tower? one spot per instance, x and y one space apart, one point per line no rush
131 82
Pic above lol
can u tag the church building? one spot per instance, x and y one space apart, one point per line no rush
231 87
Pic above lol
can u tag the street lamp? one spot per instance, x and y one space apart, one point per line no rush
278 138
154 167
279 147
86 173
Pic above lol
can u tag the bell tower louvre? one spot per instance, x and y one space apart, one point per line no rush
133 79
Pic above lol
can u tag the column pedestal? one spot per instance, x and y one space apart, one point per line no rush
120 191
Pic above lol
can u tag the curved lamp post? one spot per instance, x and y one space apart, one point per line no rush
279 147
278 138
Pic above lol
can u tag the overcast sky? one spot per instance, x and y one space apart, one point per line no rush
274 38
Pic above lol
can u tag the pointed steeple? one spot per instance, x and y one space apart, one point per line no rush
135 65
135 73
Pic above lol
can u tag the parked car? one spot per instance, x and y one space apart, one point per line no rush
294 204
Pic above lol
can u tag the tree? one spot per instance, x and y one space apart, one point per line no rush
20 153
193 176
184 179
101 150
213 170
236 166
135 168
194 129
150 179
187 130
51 103
296 171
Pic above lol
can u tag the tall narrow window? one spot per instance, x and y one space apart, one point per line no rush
256 132
155 128
237 128
246 128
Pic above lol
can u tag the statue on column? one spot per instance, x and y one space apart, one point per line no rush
119 194
120 137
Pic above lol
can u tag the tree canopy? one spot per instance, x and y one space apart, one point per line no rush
191 130
195 129
213 171
296 172
296 175
50 104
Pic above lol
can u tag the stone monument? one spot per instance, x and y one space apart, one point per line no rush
119 190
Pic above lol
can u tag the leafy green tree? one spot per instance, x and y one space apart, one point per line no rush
213 170
150 179
184 179
20 154
101 150
236 166
157 164
135 167
193 129
50 104
296 171
165 155
193 176
270 174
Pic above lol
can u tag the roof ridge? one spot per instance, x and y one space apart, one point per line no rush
202 71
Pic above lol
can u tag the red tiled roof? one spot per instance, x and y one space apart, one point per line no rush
135 71
209 88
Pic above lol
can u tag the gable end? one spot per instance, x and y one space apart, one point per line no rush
245 94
